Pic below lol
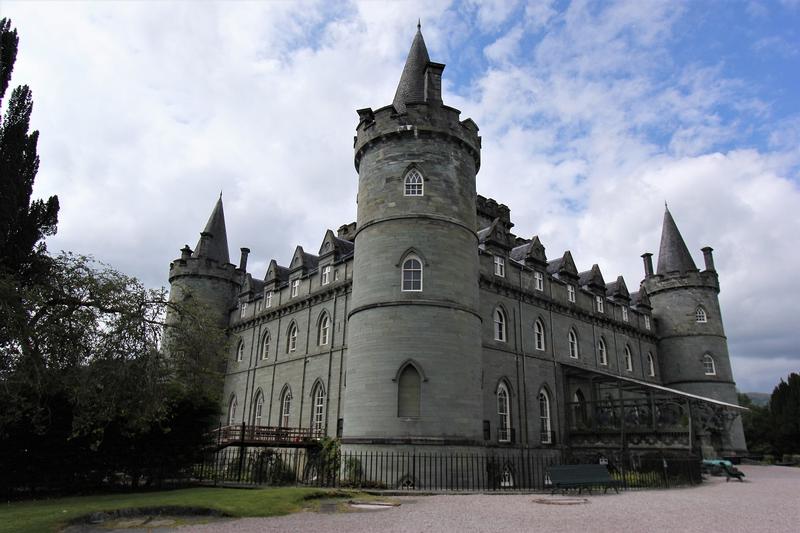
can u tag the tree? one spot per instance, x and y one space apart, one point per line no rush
757 426
784 407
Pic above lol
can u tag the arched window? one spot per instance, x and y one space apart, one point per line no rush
408 392
628 359
602 353
573 344
500 325
240 351
232 405
545 428
651 365
413 183
503 413
286 408
324 330
578 409
258 409
412 274
318 408
709 367
700 315
291 338
265 346
538 334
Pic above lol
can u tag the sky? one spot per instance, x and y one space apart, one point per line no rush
592 114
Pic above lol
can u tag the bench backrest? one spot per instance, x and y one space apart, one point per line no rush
579 473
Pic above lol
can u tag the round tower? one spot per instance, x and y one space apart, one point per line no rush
692 347
414 344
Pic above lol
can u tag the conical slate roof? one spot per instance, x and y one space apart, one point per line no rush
412 82
673 255
213 243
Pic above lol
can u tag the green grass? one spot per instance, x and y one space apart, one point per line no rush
51 515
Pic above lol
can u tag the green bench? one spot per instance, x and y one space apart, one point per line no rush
733 472
563 477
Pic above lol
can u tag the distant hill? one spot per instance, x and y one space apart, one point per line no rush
759 398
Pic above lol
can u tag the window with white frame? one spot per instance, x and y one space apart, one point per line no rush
412 274
628 359
243 309
232 405
573 344
504 414
414 183
571 293
602 352
647 321
709 367
265 346
286 408
598 303
324 329
240 351
258 409
259 303
499 266
538 281
538 334
651 365
624 314
326 275
295 287
545 427
318 408
268 299
499 325
700 315
291 341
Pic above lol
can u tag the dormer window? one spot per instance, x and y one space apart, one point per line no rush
700 315
538 281
571 293
499 266
413 183
295 287
326 275
598 302
646 321
624 314
268 300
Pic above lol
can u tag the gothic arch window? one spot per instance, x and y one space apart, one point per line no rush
240 350
503 413
700 315
709 367
323 333
628 359
500 325
291 338
412 274
538 334
602 352
258 408
414 183
232 406
408 392
573 344
286 407
318 407
545 427
651 365
265 346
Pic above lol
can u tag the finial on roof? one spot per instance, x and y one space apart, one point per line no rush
666 206
220 194
419 24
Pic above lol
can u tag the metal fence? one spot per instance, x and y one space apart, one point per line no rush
511 470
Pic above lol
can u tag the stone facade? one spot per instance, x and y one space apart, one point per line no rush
492 345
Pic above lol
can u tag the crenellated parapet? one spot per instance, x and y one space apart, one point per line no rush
203 267
659 283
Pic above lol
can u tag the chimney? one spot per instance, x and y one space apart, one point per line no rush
243 259
648 265
433 82
186 252
709 258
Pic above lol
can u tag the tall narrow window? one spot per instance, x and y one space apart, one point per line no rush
326 275
538 281
291 342
709 367
265 346
243 309
258 409
628 359
232 405
578 409
538 334
647 321
412 274
602 352
545 428
504 414
598 300
651 365
573 344
324 328
295 287
268 299
499 266
624 314
571 293
286 408
318 414
414 183
240 351
499 325
700 316
408 392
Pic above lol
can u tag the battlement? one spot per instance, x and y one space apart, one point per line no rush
488 209
204 267
680 280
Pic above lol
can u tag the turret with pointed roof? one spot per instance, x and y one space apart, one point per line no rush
673 255
213 243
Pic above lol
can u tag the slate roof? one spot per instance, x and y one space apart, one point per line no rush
213 243
618 289
412 82
592 278
673 255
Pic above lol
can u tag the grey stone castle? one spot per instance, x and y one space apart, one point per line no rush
428 324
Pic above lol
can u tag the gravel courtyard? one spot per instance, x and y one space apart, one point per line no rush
768 501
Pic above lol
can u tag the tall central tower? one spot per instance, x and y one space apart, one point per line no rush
414 339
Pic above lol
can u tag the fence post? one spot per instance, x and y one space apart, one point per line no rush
241 454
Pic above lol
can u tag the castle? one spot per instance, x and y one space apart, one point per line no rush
428 325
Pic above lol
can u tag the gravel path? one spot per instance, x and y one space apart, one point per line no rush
769 501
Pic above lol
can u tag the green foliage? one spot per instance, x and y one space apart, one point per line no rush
757 426
325 459
784 407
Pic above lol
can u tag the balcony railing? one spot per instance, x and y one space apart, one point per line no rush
248 435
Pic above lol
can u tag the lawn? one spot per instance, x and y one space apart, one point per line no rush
50 515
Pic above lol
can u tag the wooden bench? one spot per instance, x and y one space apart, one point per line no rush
732 472
581 477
